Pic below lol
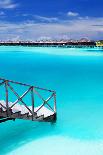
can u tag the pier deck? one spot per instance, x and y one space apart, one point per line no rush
19 109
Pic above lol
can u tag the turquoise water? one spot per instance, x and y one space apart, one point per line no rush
77 77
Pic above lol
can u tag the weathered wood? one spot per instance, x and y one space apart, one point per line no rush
55 102
50 107
7 106
17 111
19 97
45 102
51 118
16 114
36 92
2 83
23 84
6 119
32 97
1 110
2 106
40 118
9 112
24 116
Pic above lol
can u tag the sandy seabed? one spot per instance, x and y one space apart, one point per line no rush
58 145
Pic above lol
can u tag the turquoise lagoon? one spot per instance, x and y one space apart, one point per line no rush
77 76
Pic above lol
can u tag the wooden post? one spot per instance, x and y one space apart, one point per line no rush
32 97
19 97
8 109
55 102
6 90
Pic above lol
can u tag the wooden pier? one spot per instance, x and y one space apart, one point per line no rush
27 110
68 44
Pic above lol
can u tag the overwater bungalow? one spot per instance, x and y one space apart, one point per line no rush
68 43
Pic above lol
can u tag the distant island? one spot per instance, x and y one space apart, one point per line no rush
53 43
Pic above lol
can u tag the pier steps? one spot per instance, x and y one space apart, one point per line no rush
20 112
19 109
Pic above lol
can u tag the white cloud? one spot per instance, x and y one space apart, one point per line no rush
78 28
46 19
7 4
72 14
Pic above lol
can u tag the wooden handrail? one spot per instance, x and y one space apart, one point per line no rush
55 103
3 106
45 102
25 93
32 98
23 84
6 90
33 91
36 92
2 83
19 97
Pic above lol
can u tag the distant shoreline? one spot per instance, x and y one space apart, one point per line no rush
50 44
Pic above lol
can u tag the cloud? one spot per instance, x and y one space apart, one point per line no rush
31 30
46 19
72 14
98 25
7 4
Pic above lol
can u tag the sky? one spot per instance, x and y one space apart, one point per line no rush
51 19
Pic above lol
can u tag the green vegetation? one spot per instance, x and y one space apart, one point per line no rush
99 43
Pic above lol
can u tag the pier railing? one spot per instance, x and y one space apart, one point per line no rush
33 90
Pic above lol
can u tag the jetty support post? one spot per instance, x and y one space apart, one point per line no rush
6 90
55 102
55 109
32 97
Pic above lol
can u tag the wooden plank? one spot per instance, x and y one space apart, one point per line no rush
2 83
32 98
24 116
5 112
6 119
40 118
16 114
32 114
6 90
45 101
1 110
55 102
36 92
28 85
2 106
51 118
19 97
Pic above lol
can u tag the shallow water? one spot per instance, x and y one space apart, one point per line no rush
77 77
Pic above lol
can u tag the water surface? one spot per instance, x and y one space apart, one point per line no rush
77 76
